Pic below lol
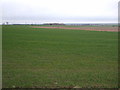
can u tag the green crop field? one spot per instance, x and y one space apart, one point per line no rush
36 57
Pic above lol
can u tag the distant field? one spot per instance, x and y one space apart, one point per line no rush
110 29
42 57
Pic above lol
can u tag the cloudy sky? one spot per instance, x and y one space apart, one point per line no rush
62 11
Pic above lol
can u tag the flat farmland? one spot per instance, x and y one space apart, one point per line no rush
52 57
109 29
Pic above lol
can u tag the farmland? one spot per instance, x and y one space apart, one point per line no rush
46 57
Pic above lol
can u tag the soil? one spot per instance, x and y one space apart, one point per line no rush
112 29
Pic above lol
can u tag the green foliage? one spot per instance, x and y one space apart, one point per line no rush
34 57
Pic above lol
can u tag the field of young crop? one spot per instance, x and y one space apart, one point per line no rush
43 57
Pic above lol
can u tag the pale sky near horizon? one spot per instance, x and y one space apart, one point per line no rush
63 11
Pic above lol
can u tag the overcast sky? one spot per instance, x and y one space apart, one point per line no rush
64 11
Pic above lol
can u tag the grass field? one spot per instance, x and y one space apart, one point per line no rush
35 57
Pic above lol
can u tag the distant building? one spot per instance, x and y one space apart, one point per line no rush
53 24
6 23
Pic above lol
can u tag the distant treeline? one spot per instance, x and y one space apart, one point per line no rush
68 24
